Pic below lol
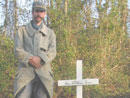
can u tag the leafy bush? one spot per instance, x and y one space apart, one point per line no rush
7 67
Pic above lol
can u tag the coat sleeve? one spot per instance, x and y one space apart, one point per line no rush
50 54
19 52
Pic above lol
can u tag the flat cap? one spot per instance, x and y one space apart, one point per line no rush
38 5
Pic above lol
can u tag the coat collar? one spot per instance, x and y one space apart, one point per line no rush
31 30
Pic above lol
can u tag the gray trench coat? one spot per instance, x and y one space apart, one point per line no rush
31 42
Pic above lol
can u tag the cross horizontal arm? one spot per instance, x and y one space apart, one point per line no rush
78 82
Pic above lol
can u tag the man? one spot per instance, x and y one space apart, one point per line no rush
35 48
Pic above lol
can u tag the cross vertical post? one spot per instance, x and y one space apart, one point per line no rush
79 90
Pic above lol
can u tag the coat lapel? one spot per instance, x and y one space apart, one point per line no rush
43 30
30 29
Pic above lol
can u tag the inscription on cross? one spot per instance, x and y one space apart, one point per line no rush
79 82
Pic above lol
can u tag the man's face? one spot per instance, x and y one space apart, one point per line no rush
38 15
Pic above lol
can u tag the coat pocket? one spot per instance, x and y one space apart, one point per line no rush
51 74
45 48
17 73
25 73
43 44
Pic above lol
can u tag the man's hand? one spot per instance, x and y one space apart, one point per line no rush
35 61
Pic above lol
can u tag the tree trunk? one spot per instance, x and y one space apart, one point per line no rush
6 17
66 7
15 16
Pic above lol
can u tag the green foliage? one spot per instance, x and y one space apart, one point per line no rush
105 50
7 67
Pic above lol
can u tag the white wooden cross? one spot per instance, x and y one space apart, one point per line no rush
79 82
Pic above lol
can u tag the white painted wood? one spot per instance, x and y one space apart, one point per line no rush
79 89
79 69
79 82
